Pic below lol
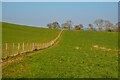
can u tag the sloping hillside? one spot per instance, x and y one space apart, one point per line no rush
13 33
77 55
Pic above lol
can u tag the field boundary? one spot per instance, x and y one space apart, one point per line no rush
21 48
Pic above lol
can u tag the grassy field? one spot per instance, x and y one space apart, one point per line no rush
78 54
20 33
14 34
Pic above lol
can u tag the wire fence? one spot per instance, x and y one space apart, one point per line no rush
14 49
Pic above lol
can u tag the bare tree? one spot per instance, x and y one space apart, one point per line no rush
78 27
53 25
81 26
49 25
108 25
115 28
67 24
99 23
91 27
56 25
118 26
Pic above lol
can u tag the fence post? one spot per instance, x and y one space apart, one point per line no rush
33 46
27 47
13 48
6 47
23 47
38 46
43 45
18 48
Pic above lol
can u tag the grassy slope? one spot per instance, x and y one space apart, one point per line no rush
13 33
20 33
63 60
0 33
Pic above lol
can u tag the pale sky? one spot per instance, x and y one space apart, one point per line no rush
60 0
42 13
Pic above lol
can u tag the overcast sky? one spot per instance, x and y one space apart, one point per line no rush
39 13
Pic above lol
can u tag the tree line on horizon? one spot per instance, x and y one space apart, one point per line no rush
98 25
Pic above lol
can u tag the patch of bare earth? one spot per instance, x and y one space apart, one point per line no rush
10 61
102 48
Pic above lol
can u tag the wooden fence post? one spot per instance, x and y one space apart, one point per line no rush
18 48
38 46
43 45
33 47
13 48
6 48
23 47
27 47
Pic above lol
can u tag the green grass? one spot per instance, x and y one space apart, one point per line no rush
63 60
0 33
13 33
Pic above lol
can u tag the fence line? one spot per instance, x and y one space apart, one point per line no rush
20 48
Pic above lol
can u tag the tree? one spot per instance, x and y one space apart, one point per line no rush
78 27
67 24
81 26
56 25
118 26
108 25
49 25
115 27
91 27
99 23
53 25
